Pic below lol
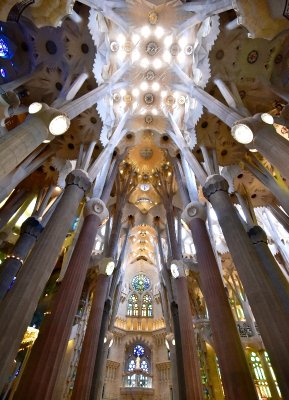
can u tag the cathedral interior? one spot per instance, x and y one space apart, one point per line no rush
144 199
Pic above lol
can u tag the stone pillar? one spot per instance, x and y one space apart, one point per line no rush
236 377
85 370
274 148
192 376
272 270
270 314
101 355
18 306
102 351
84 375
179 351
20 142
30 230
40 375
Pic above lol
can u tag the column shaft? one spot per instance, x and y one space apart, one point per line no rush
236 377
275 148
270 314
30 230
20 142
17 308
84 375
189 348
271 268
39 377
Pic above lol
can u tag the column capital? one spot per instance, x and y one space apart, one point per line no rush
257 235
178 269
96 207
31 226
79 178
106 266
194 210
213 184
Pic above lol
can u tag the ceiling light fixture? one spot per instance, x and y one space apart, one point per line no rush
145 31
242 133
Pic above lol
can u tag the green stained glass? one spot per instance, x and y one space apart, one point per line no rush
140 283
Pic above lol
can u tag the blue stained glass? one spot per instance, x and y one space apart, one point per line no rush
131 365
4 49
138 351
140 283
144 366
2 73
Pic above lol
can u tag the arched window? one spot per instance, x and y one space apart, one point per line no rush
131 365
132 306
140 283
138 366
144 366
147 308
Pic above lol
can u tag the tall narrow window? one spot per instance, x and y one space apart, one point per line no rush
132 306
147 308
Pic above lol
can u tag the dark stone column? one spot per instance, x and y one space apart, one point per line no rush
179 351
271 316
19 304
40 374
84 375
29 232
101 355
272 270
274 148
236 377
192 376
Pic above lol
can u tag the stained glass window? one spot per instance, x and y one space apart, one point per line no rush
2 72
259 376
138 351
132 306
131 365
5 47
147 308
140 283
144 366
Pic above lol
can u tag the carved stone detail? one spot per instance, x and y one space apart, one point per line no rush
79 178
193 210
213 184
31 226
96 207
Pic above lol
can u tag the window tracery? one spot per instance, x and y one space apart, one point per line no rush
140 283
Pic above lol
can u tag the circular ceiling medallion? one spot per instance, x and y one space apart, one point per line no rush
252 56
170 100
146 153
148 119
127 98
116 97
150 75
127 47
174 49
114 46
220 54
182 100
152 48
149 98
189 49
153 17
